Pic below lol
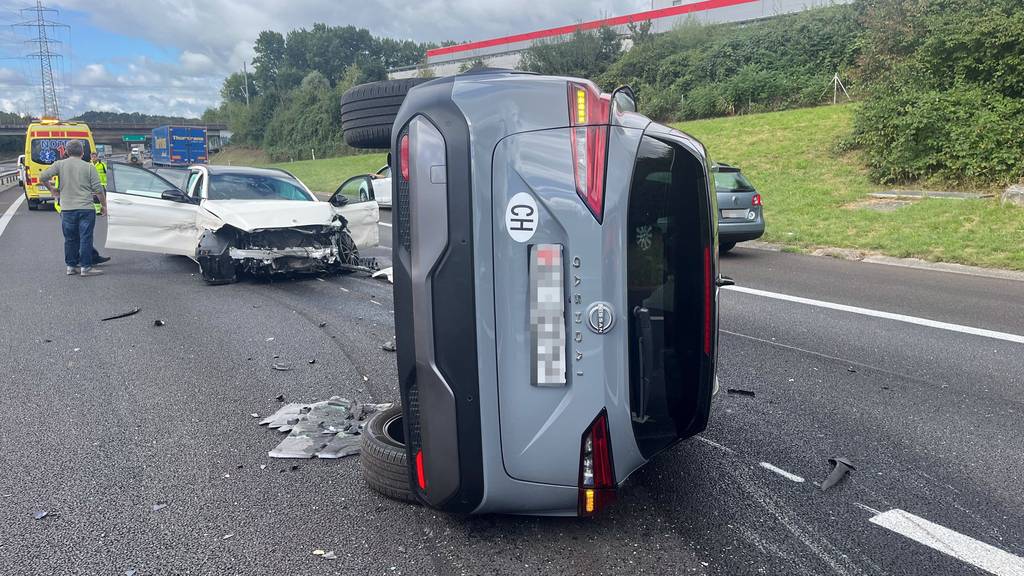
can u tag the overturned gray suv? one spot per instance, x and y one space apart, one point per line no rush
556 290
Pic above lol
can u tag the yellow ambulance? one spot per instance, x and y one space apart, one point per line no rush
46 142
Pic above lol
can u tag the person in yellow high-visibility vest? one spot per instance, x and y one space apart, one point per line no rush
101 169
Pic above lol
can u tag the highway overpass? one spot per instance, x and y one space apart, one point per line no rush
112 133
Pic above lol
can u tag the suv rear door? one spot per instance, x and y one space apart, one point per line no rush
672 316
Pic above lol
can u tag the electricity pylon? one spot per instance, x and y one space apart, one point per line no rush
44 52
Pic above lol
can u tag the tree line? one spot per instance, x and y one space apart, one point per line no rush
940 83
288 104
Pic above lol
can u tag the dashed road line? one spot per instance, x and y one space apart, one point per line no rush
952 543
9 214
781 472
880 314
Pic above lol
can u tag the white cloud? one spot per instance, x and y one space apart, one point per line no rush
214 37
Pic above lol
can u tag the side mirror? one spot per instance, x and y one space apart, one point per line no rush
339 200
175 195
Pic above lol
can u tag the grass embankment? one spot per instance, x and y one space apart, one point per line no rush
322 176
807 188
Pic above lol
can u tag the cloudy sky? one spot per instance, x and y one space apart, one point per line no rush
170 56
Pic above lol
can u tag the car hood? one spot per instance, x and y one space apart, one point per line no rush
249 215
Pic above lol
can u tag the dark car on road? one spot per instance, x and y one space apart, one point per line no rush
740 215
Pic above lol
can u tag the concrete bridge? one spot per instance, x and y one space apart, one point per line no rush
112 133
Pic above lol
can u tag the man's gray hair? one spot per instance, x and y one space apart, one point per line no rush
75 148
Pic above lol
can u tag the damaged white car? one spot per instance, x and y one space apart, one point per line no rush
233 220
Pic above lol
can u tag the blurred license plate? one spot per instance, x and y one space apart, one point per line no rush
735 214
42 188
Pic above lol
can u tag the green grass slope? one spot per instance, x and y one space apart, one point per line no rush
807 189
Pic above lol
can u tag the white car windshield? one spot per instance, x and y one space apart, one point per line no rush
256 187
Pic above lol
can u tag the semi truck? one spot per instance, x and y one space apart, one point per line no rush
179 146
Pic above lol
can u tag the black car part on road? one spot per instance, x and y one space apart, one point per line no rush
368 111
384 459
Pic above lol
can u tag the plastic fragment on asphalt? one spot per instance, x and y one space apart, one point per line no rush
40 514
283 415
841 467
386 273
282 366
329 429
851 370
160 505
312 360
254 415
159 323
323 324
226 536
318 552
280 398
131 312
330 555
740 392
130 573
389 346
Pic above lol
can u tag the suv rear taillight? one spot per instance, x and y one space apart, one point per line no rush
403 156
588 119
757 200
597 476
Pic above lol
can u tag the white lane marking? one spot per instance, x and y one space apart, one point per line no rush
963 548
781 472
384 224
6 218
879 314
866 507
715 444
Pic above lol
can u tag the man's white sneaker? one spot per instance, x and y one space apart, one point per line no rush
72 271
90 272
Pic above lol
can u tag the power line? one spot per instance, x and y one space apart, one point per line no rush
45 52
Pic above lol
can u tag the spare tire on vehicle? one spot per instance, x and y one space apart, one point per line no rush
384 460
369 110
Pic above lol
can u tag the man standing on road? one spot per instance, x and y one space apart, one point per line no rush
101 169
78 182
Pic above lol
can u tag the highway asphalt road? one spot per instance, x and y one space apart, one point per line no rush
100 420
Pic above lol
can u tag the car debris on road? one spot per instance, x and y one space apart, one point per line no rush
327 430
131 312
841 467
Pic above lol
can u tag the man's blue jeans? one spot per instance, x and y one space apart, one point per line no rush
78 227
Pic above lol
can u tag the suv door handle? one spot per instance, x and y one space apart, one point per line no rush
724 281
120 201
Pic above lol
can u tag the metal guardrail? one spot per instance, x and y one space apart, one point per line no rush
8 177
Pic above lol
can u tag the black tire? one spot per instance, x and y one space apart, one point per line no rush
369 110
32 204
384 460
349 250
724 247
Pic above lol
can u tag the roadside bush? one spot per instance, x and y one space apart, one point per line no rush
968 134
699 71
947 90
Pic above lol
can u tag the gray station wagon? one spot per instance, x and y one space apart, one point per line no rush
740 210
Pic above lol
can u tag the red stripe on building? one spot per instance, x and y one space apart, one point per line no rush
78 134
592 25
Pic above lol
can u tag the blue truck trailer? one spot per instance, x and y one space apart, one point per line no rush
179 146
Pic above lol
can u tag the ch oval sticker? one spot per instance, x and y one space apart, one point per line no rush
521 217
